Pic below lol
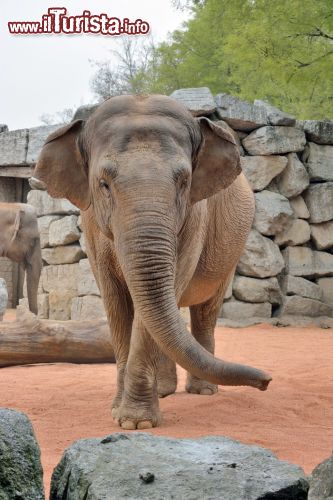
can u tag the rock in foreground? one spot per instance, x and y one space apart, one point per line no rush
143 466
321 481
21 474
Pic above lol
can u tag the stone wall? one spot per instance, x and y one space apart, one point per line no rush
67 287
287 265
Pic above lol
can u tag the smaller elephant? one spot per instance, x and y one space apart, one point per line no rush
20 242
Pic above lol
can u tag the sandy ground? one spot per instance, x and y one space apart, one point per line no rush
293 418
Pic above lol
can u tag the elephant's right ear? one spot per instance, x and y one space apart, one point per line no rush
61 168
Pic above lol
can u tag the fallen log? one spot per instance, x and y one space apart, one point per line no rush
31 340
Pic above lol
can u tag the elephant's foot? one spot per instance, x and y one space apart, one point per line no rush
195 385
130 417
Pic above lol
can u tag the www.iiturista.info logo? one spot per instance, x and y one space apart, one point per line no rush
56 21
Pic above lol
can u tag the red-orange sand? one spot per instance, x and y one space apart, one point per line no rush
294 417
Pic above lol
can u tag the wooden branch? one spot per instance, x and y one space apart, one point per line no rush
48 341
304 65
317 33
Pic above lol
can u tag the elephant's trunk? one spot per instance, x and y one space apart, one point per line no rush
147 258
33 265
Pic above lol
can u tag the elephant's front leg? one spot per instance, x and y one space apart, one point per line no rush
139 408
120 316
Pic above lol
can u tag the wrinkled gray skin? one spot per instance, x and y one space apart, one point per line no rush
20 242
166 212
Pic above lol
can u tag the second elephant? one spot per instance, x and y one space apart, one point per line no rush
20 242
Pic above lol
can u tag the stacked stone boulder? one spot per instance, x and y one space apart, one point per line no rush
287 266
67 288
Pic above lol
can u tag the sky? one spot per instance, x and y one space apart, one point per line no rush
47 73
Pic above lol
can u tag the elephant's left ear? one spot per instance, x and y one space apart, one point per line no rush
61 168
218 162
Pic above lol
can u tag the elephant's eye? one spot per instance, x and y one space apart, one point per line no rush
104 186
183 181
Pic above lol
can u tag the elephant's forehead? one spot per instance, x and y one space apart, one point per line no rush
144 104
135 131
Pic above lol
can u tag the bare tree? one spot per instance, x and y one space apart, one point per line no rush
126 72
63 116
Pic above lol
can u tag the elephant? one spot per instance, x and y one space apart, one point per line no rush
20 242
166 212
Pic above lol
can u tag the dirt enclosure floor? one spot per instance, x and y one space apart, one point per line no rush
294 417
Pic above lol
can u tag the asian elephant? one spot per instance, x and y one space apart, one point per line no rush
20 242
166 212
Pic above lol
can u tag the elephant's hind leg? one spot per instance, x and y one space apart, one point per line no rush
166 376
203 321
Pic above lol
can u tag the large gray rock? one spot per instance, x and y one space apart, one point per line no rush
240 115
37 137
319 131
319 200
294 178
257 290
318 161
236 309
301 306
295 285
67 254
261 257
21 473
87 307
299 207
273 213
260 170
198 100
46 205
3 297
44 226
141 466
321 481
326 287
64 231
296 234
13 147
274 140
322 235
302 261
86 281
274 115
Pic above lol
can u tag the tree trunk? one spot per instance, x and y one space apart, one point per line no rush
48 341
